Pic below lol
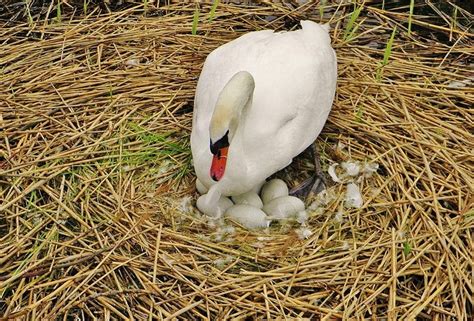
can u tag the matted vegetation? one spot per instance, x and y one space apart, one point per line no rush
95 162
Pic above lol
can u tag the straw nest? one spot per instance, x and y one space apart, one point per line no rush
96 167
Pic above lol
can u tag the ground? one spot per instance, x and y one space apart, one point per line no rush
97 186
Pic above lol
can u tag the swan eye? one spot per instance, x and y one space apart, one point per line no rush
213 148
221 143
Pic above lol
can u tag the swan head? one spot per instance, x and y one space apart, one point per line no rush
231 103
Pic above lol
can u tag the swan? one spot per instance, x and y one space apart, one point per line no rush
260 100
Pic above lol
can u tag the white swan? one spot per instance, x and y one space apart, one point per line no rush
260 101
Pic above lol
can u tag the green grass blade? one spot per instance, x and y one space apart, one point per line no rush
388 48
145 6
406 248
30 18
322 4
58 11
213 10
412 6
453 23
386 54
350 30
359 115
28 13
195 21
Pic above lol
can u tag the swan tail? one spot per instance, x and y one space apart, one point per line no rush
311 25
326 27
316 33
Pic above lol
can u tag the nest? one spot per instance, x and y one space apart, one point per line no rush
96 172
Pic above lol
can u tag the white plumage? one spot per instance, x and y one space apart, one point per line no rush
294 81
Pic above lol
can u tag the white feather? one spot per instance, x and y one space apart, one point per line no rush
353 196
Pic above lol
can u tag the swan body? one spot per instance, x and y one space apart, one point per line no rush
261 100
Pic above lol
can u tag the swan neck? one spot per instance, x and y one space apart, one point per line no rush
231 105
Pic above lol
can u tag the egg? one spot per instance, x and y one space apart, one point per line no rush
249 198
200 187
247 215
216 210
273 189
284 207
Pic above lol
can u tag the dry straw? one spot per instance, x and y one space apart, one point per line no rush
95 123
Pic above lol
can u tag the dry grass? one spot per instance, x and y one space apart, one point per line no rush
95 158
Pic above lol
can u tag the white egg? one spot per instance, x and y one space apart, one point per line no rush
273 189
215 210
284 207
247 215
249 198
200 187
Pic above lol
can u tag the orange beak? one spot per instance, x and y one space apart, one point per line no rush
219 161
